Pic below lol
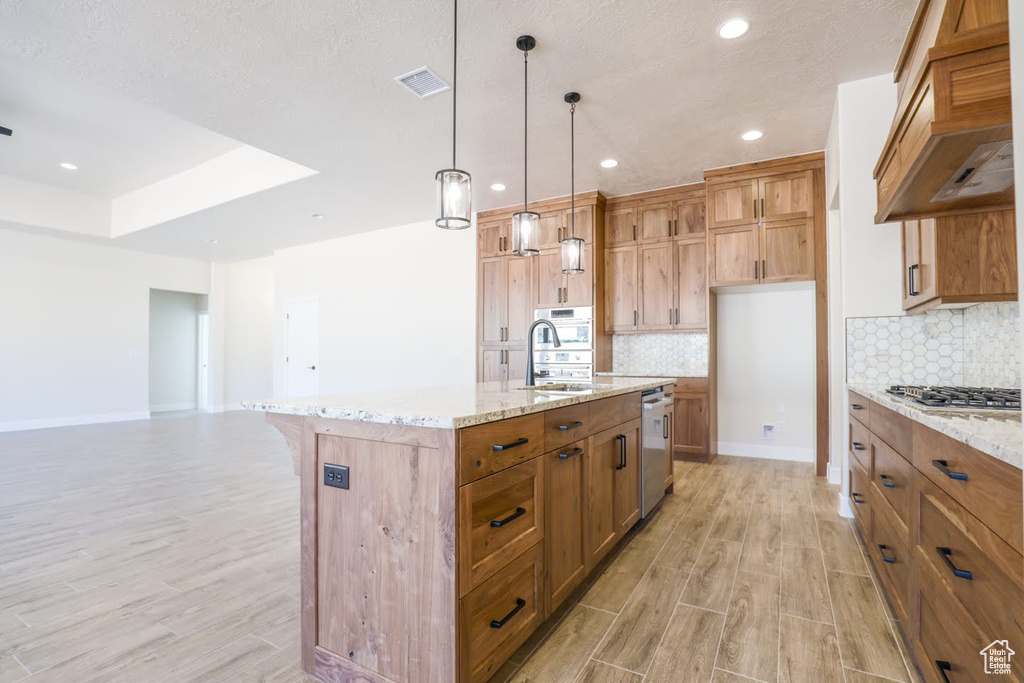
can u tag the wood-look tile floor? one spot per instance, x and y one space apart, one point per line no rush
167 550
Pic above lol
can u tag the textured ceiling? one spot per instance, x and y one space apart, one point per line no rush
312 82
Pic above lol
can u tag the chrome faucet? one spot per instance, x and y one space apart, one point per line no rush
530 380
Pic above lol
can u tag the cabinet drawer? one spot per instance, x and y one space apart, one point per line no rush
860 499
860 408
892 479
891 555
498 616
860 444
983 572
565 425
893 429
500 516
990 489
495 446
609 412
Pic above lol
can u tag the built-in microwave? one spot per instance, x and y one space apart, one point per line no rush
575 328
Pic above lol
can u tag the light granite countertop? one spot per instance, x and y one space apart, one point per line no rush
995 432
688 375
450 407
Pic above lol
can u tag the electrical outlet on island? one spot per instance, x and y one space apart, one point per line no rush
768 432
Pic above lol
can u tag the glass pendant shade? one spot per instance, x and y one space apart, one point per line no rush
572 255
454 199
526 233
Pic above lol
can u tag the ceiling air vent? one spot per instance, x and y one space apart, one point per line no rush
423 82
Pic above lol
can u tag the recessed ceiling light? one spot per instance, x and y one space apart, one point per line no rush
68 167
752 135
317 216
609 163
734 28
212 241
498 187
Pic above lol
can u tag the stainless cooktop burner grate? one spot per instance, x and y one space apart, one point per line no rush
966 398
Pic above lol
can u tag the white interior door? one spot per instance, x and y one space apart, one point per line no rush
203 361
303 347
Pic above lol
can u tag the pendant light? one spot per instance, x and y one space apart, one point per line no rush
572 246
525 223
454 187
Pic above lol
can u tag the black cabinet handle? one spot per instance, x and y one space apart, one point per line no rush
506 446
855 496
885 481
677 227
569 454
762 207
910 280
498 523
943 668
856 406
857 446
677 316
764 268
621 438
520 604
755 270
944 553
943 466
885 558
755 208
571 425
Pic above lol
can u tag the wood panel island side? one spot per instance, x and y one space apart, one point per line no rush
440 527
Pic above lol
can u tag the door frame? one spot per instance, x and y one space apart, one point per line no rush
203 360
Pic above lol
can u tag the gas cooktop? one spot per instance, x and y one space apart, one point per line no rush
962 398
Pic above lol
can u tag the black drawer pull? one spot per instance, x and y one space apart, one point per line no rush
855 496
944 553
502 522
856 406
569 454
506 446
885 558
520 604
943 668
885 481
572 425
621 438
943 466
857 446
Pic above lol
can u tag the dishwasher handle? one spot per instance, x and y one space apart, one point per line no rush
659 403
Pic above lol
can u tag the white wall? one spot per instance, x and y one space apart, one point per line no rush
397 307
75 328
173 349
249 330
766 371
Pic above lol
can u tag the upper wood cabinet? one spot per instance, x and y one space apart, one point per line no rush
734 256
786 196
691 282
959 260
732 203
787 251
953 114
655 222
620 226
554 288
519 311
492 238
657 309
555 226
492 300
691 217
550 229
620 287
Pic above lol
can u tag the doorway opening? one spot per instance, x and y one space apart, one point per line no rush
178 351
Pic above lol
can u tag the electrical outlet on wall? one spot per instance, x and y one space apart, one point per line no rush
768 432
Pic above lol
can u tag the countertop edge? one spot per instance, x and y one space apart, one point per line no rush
446 422
945 425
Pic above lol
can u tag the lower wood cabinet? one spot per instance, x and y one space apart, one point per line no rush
627 478
604 454
691 425
566 520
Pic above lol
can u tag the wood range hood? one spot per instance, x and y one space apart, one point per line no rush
950 145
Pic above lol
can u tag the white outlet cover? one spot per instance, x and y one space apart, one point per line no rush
768 432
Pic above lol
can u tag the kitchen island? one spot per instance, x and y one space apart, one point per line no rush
440 527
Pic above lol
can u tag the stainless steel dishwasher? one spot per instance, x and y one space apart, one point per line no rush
654 436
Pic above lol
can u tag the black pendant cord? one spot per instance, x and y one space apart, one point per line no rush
526 95
455 76
572 163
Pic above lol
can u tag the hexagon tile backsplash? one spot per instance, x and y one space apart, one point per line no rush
976 346
673 354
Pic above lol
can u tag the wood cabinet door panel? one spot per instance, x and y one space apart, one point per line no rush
579 289
670 436
861 500
656 295
621 289
620 226
911 263
491 367
520 299
928 274
860 445
690 425
691 286
493 300
490 238
565 565
891 477
787 251
515 362
521 439
549 279
627 478
734 256
601 458
691 218
500 516
732 203
654 222
584 223
786 196
551 224
893 561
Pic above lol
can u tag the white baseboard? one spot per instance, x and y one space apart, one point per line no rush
751 450
835 475
168 407
71 421
224 408
844 507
